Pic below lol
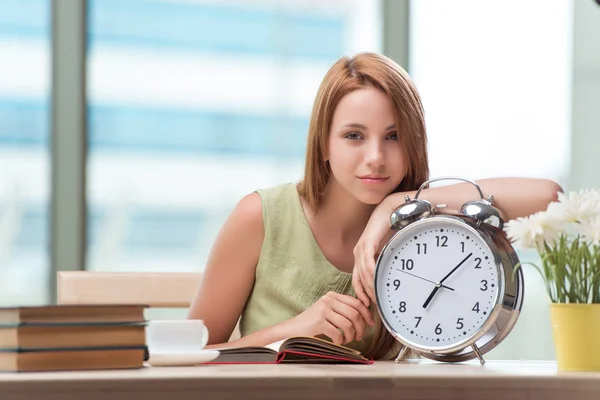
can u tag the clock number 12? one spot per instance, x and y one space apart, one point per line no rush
441 241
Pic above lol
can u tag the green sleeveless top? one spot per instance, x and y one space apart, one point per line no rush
292 272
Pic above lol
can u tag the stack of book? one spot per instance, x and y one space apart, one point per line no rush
72 337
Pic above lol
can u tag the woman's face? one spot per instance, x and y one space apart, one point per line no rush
364 153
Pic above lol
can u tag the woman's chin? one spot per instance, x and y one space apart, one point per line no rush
372 199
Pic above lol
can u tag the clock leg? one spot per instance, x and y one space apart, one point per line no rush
401 354
478 353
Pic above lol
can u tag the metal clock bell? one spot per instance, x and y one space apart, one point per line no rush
448 285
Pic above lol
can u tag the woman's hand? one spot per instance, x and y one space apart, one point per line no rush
337 316
368 247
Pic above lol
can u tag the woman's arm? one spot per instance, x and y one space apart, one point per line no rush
514 197
229 274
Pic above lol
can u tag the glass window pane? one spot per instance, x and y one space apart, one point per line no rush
495 91
24 151
488 82
193 104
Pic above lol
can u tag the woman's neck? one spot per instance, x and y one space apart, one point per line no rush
342 215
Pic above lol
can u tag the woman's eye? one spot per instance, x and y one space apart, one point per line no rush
392 136
353 136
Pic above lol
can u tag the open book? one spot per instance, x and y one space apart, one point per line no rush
301 349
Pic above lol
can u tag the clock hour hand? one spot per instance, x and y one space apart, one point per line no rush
425 279
439 284
433 292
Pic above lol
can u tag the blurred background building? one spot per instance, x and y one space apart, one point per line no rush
191 104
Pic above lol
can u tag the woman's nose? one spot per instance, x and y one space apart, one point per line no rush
375 156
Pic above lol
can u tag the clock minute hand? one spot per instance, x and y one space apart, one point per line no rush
455 268
439 284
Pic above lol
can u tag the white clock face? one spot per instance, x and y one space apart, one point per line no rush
437 283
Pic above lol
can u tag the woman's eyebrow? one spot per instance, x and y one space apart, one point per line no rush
354 125
361 126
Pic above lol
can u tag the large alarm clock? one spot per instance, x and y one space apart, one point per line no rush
447 284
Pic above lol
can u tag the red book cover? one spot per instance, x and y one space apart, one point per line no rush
297 350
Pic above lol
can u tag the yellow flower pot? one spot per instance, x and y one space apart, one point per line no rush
576 331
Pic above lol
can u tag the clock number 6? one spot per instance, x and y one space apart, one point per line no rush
438 330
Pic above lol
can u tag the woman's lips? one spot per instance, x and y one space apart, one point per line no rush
373 180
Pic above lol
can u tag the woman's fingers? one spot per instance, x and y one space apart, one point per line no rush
346 326
358 287
332 332
356 305
363 274
368 272
352 316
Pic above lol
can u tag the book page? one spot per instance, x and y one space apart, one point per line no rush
318 345
276 346
244 349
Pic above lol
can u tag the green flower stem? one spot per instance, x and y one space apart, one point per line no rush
570 270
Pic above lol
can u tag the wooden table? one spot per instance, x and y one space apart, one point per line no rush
383 380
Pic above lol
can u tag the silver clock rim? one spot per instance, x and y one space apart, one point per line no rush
457 348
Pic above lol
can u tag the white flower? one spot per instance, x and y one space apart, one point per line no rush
535 230
576 206
561 211
590 230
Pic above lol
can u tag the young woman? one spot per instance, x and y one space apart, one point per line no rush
298 259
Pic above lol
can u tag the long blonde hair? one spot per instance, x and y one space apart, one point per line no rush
345 76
